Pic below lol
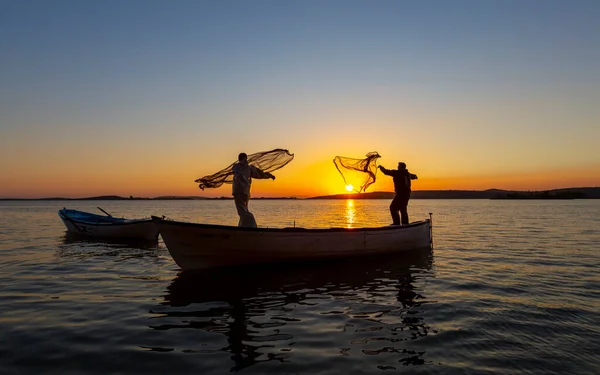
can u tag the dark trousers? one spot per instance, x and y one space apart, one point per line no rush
400 203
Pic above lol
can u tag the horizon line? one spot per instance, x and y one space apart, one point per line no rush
184 197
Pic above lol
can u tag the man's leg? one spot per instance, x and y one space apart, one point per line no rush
404 208
249 220
394 207
246 217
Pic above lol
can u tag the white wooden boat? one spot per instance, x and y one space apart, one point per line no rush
198 246
99 226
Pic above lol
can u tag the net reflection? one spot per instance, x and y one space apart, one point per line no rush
273 313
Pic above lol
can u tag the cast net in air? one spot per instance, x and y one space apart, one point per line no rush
359 172
267 161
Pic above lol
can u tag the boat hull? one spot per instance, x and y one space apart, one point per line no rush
198 246
96 226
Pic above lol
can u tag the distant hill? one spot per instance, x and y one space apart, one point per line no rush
417 194
373 195
572 193
588 192
175 197
131 198
103 198
566 193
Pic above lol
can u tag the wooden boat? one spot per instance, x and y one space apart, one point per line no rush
100 226
198 246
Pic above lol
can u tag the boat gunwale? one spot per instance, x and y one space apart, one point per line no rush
160 221
109 223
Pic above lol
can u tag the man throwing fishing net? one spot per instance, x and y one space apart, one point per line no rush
243 173
402 178
240 174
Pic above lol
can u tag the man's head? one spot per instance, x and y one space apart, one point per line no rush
242 157
401 165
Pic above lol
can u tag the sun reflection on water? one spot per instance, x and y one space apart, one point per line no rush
350 213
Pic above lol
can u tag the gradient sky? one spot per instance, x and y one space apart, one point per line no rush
142 97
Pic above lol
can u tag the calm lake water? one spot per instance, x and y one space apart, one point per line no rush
511 287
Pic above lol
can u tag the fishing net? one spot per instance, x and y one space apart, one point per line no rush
267 161
361 171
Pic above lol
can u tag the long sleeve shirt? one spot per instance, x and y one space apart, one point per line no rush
402 178
243 173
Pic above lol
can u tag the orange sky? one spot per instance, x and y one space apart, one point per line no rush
293 180
165 95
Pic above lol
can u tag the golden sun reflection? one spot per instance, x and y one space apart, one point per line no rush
350 213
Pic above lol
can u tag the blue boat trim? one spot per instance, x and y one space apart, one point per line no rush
101 220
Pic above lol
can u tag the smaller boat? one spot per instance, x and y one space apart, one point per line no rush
106 226
199 246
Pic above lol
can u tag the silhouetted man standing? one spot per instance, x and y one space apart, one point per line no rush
243 173
402 178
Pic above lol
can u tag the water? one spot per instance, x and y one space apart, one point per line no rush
511 287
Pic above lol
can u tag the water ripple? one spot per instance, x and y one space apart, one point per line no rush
511 288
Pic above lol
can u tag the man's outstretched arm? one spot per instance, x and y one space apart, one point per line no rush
257 173
385 171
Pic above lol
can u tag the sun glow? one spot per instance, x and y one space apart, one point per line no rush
350 213
349 187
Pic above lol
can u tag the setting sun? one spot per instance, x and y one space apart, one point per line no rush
349 187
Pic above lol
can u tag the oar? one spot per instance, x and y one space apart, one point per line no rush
109 215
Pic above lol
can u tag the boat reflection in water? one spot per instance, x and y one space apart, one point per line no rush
359 313
73 245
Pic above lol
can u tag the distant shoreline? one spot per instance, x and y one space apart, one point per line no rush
117 198
564 193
